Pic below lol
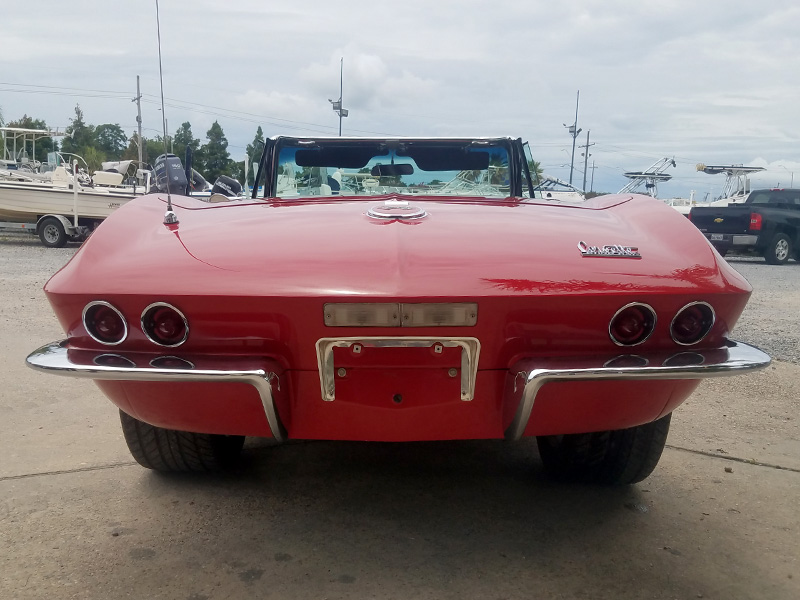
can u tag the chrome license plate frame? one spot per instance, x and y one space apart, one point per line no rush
470 353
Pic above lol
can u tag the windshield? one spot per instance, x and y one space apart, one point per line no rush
406 167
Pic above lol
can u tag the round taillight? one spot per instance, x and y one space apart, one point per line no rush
632 324
165 325
104 323
692 323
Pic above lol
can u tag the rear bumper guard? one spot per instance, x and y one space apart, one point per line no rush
733 359
55 358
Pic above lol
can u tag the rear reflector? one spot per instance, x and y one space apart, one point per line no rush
386 314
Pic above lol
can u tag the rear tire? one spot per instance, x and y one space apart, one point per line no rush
170 450
618 457
779 249
52 234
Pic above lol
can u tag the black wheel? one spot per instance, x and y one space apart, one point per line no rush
170 450
779 249
52 234
620 457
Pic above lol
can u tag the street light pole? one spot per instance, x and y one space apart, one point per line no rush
586 158
337 104
573 131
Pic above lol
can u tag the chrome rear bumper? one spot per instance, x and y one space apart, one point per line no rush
733 359
54 358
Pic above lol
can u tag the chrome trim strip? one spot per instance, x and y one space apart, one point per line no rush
112 307
645 338
705 333
147 333
53 358
734 359
470 352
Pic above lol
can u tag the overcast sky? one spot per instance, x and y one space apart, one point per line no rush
707 81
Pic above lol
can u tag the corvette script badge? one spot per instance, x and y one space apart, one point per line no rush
609 251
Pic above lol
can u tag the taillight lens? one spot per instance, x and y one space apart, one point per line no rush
165 325
104 323
632 324
692 323
755 222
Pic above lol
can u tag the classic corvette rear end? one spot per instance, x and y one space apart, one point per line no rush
398 290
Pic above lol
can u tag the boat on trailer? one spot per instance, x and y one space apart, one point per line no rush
58 199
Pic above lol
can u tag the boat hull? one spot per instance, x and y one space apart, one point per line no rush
26 202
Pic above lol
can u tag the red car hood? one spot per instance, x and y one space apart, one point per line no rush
332 248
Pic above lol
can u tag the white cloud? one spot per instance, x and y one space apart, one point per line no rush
704 81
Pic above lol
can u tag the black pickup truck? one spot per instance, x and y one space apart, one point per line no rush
766 223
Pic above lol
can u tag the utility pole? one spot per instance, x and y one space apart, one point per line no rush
337 104
591 185
138 101
573 131
586 159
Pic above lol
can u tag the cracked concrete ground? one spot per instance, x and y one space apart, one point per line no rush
78 519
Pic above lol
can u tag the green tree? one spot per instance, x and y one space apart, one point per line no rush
110 140
153 149
80 136
216 159
253 152
185 138
132 150
94 158
535 167
256 147
43 145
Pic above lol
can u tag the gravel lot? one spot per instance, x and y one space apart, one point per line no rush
771 320
78 519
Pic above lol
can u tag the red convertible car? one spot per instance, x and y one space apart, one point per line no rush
398 290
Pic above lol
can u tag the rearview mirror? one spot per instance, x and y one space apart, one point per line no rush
392 170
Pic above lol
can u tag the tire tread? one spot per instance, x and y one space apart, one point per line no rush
163 449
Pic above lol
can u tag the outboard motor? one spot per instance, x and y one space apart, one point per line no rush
198 183
227 186
169 172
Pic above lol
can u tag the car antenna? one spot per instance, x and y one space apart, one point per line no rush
170 218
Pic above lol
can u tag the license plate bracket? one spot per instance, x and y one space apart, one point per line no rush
470 351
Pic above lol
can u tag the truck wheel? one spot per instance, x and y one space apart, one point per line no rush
779 249
52 234
618 457
170 450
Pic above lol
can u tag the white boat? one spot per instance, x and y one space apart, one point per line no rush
737 182
552 188
27 201
59 200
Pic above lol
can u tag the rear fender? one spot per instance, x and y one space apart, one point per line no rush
69 228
